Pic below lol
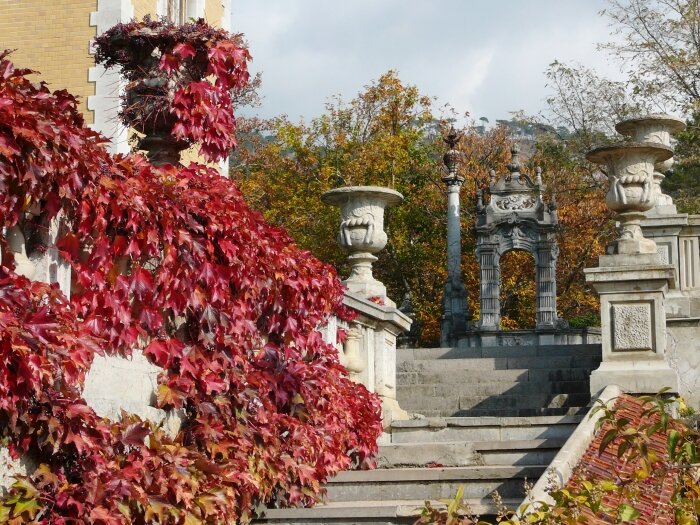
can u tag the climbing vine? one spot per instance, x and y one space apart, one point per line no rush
172 262
179 78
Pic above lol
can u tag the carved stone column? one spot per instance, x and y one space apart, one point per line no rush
546 278
489 263
455 308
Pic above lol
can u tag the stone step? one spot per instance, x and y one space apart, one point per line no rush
455 405
518 412
498 363
450 375
518 452
431 483
371 512
491 388
455 454
415 354
495 429
465 453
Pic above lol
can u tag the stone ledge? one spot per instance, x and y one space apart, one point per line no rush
486 421
410 474
388 314
351 510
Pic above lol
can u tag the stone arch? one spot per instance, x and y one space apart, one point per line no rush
516 218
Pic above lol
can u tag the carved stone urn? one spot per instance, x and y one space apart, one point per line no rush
362 233
657 129
630 171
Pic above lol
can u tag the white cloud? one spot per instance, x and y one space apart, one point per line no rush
487 58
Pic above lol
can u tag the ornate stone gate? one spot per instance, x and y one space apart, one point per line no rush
516 218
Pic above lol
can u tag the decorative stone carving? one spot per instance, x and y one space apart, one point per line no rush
632 327
351 357
630 171
662 253
632 282
362 232
17 245
656 129
515 202
516 218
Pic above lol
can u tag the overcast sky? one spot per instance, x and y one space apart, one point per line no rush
486 57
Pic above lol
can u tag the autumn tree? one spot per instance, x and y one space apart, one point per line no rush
389 135
660 48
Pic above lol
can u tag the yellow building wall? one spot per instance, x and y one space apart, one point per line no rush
52 37
214 12
145 7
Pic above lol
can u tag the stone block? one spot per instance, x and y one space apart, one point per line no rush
457 454
632 326
636 377
10 468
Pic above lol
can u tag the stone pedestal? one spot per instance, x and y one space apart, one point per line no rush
369 351
632 293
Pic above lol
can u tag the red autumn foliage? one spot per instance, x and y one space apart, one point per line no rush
168 67
173 261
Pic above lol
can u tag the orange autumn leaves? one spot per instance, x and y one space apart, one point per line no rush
391 135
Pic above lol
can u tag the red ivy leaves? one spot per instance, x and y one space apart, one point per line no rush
226 304
173 65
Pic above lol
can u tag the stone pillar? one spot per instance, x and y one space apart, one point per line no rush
633 321
631 282
455 309
369 353
546 285
490 287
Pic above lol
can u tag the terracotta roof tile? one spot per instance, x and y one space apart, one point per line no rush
654 499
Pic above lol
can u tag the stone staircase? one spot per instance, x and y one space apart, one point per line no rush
496 381
490 419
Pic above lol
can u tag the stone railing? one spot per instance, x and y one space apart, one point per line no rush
369 349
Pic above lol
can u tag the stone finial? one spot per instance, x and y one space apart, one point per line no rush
479 200
553 207
452 156
492 177
514 166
